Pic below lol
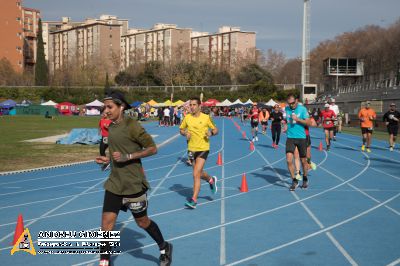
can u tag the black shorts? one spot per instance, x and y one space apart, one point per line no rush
264 123
393 129
365 130
308 141
136 203
193 155
254 123
329 128
301 145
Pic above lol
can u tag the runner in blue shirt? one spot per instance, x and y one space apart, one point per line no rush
297 118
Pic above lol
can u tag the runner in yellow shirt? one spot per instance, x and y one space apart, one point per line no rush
196 128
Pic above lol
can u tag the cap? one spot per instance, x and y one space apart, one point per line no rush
333 100
117 97
326 105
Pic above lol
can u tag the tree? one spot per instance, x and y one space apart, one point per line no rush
41 69
107 87
252 73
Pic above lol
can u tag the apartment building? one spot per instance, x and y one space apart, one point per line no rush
226 48
164 42
95 41
18 28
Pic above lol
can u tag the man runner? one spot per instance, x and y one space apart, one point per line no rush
195 127
297 118
367 116
392 118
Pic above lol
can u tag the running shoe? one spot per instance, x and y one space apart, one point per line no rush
256 138
191 204
298 176
305 184
166 258
334 138
368 150
253 139
313 166
104 263
391 149
294 185
363 147
213 186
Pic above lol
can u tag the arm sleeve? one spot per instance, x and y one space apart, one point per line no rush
139 134
184 123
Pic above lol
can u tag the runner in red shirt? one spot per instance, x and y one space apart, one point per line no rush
328 117
253 115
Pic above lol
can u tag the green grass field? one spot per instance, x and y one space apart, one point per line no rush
16 154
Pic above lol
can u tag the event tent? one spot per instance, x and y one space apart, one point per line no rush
168 103
8 104
151 102
237 103
248 103
66 108
49 103
94 108
179 103
136 104
225 103
210 102
271 103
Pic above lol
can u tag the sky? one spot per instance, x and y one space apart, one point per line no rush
278 23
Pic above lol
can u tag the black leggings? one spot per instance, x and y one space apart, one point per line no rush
103 148
276 133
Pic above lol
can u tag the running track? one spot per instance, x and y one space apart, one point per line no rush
350 215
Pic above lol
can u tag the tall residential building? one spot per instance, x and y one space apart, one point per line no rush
96 42
18 28
225 49
164 42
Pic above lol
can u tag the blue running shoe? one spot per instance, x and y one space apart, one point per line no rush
213 186
191 204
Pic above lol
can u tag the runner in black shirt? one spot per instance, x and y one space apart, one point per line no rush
276 118
392 118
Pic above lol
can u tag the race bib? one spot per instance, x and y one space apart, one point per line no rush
328 122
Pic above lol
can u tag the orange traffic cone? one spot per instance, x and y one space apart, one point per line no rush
243 186
320 148
244 134
251 146
19 229
219 160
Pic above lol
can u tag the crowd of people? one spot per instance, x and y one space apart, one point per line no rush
128 142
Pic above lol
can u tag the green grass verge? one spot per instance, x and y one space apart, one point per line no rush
16 154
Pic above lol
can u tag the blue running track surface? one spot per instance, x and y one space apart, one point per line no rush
349 215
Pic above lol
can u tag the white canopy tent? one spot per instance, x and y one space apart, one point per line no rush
49 103
237 102
225 103
249 102
95 103
94 108
271 103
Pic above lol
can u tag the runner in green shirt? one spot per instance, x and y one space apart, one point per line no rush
126 187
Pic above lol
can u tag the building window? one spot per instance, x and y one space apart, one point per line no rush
18 19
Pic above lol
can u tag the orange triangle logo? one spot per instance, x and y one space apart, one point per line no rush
24 243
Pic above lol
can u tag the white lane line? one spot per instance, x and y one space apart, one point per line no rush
313 216
327 229
222 254
56 208
56 186
396 262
